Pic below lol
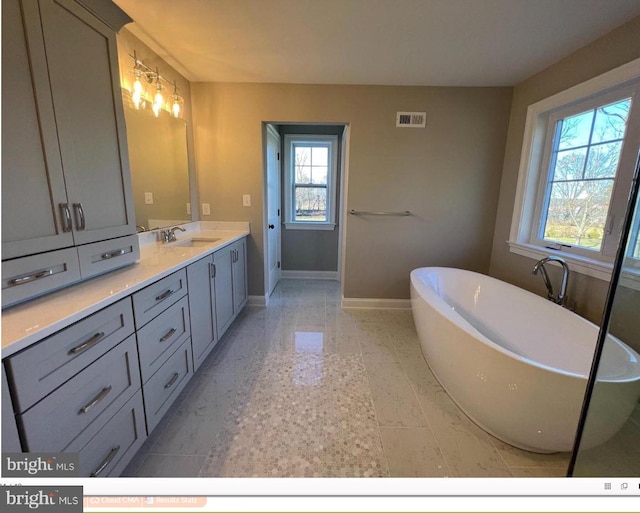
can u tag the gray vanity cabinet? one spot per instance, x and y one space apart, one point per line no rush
34 216
239 266
10 437
202 308
223 281
230 283
83 71
65 170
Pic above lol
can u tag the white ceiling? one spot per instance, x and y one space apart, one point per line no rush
391 42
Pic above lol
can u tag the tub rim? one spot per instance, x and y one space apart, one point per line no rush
453 316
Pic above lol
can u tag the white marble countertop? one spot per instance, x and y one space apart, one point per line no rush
30 322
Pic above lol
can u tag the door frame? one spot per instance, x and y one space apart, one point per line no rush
341 200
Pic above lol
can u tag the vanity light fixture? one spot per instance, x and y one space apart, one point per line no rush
143 73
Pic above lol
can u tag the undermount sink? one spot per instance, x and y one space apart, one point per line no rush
195 242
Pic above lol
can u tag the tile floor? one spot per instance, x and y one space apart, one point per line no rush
305 388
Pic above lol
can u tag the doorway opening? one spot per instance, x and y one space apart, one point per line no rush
305 165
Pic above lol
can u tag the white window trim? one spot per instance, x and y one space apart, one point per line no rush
330 224
530 168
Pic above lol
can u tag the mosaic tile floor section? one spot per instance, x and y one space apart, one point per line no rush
309 415
303 388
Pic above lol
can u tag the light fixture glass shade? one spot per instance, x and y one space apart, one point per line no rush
158 100
136 96
175 108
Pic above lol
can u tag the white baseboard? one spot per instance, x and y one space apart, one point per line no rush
387 304
257 301
309 275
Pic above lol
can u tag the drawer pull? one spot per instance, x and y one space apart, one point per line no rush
87 344
172 380
105 462
31 277
116 253
103 393
168 335
164 295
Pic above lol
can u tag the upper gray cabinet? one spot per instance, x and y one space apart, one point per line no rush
33 190
65 172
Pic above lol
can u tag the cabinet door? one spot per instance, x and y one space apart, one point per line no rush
10 437
32 182
239 275
223 282
83 70
202 309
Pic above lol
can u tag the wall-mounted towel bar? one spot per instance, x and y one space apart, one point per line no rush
366 213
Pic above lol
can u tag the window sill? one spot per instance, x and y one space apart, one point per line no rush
583 265
309 226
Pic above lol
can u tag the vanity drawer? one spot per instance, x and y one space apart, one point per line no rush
27 277
43 367
105 256
109 451
104 386
156 298
158 339
165 385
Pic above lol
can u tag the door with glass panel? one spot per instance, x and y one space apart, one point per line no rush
612 409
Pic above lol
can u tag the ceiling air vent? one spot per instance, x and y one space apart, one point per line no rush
411 119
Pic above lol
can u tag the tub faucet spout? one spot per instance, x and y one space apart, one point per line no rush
562 296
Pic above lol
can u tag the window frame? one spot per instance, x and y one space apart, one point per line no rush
290 142
534 169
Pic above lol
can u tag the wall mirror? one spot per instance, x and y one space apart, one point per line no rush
159 166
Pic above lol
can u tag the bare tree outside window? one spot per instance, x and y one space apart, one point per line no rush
583 169
310 187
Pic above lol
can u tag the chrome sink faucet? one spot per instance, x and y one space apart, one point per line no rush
562 296
170 234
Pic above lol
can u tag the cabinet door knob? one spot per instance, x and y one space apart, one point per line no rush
272 226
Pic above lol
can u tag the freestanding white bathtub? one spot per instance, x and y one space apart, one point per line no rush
516 363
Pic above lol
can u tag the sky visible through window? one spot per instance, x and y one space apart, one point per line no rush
310 187
583 168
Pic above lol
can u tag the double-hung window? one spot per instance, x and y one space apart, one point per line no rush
310 181
579 155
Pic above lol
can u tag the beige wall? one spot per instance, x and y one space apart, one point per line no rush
127 43
447 174
616 48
